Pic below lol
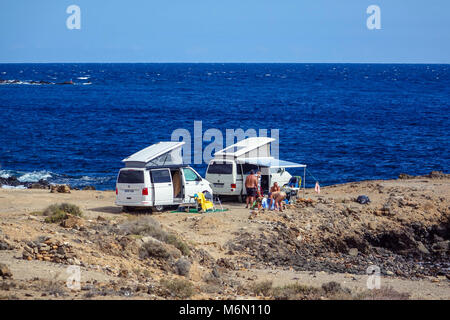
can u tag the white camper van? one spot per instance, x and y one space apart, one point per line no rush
229 168
155 177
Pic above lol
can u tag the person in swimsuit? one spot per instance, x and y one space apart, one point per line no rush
279 196
251 183
274 188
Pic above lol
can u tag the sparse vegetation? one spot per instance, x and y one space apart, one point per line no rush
179 288
153 249
330 290
147 226
182 267
296 291
262 288
178 243
384 293
58 212
52 287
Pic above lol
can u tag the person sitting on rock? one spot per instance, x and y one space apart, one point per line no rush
279 197
274 188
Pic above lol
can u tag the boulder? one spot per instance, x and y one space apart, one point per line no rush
72 222
5 244
363 199
60 189
4 271
441 246
422 249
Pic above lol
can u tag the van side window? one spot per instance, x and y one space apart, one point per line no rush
161 176
246 168
189 175
239 168
220 167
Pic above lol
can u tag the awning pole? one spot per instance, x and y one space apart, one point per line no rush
304 181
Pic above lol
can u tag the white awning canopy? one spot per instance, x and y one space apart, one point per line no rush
162 153
270 162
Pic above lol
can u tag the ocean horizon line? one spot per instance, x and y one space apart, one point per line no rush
230 63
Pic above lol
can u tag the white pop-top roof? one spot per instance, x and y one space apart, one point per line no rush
152 152
270 162
244 146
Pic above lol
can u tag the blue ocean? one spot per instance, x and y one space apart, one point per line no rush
347 122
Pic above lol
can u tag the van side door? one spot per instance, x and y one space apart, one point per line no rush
162 186
192 183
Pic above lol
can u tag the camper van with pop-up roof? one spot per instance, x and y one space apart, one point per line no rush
229 168
156 177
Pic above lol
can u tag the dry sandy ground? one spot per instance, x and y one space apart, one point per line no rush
209 231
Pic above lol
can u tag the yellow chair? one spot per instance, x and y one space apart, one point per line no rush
202 202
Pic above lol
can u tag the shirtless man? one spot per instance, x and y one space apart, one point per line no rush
279 196
251 183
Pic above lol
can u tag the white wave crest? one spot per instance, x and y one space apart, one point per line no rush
5 174
11 187
35 176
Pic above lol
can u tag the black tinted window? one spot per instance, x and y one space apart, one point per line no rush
161 176
131 176
246 168
220 168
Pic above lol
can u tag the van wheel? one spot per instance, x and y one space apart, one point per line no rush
158 208
127 209
241 198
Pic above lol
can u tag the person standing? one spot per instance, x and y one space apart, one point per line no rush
251 183
259 191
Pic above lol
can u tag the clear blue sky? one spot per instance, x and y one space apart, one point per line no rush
413 31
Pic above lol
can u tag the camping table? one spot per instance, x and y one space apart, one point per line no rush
189 205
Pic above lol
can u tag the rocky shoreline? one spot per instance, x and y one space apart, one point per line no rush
13 181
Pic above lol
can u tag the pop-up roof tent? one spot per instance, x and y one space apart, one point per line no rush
256 151
164 153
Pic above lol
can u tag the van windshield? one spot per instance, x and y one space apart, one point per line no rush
220 168
131 176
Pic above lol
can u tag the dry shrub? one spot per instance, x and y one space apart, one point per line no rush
296 291
147 226
52 287
262 288
153 249
384 293
58 212
179 288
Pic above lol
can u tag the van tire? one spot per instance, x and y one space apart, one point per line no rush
241 198
158 208
127 209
